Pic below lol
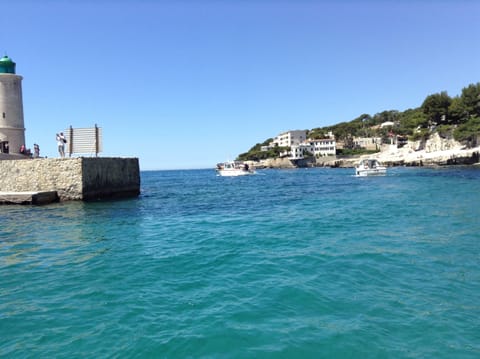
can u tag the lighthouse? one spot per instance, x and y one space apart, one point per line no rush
12 126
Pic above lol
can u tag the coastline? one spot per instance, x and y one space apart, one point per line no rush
436 151
409 157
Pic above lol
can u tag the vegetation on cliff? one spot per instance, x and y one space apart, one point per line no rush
256 153
457 117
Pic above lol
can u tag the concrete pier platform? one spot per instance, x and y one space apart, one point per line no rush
78 178
37 198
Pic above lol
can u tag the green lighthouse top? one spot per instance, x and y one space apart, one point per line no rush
7 66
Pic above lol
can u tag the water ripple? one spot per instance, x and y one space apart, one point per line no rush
314 263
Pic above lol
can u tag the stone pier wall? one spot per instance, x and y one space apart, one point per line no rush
110 177
73 178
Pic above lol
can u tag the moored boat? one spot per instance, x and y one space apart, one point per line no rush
370 167
233 168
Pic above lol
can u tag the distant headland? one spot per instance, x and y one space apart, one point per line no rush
444 130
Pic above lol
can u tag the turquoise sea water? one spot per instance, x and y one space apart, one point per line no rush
285 264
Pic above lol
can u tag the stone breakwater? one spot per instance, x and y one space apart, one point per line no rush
72 178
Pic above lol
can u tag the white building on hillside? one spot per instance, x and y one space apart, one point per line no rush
300 147
387 124
318 148
299 151
289 138
324 147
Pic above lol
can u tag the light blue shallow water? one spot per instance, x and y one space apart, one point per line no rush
284 264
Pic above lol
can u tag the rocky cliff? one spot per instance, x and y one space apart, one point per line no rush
435 151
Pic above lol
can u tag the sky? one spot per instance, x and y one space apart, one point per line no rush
187 84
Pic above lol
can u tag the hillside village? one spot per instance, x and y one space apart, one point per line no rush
296 145
300 151
443 130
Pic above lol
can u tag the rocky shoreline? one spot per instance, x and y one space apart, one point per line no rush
436 151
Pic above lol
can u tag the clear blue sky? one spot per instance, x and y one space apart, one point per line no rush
187 84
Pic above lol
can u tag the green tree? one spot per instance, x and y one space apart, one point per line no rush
436 107
255 153
457 112
386 116
411 120
316 133
470 99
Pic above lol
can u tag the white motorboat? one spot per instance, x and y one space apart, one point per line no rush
370 167
233 168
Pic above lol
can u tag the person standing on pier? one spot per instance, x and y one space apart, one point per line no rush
61 144
36 151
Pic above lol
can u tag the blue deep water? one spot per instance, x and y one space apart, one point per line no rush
307 263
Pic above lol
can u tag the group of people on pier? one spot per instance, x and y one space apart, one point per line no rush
23 150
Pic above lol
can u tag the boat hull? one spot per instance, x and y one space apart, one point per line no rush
234 173
233 169
370 167
371 172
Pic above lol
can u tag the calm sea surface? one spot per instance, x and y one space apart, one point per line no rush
308 263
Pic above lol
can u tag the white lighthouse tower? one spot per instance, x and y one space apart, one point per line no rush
12 126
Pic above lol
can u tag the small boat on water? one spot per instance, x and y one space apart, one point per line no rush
233 168
370 167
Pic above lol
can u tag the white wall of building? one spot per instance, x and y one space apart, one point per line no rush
298 151
324 147
289 138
